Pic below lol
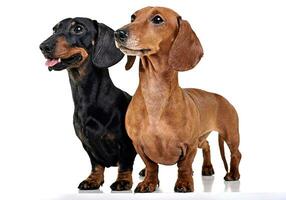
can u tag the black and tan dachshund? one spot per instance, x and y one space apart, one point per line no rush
86 49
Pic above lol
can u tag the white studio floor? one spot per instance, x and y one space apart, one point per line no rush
195 196
207 188
253 183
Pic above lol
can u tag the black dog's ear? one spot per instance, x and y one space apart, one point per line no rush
105 53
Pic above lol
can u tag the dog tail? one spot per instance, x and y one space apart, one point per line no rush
222 153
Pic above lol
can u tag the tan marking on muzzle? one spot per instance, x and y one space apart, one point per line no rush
64 50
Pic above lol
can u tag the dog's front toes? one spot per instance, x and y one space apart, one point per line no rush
232 177
208 170
146 186
120 185
184 186
89 185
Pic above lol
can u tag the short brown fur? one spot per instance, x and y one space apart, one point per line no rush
165 122
95 179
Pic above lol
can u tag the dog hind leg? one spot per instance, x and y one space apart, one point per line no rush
235 155
232 140
207 169
227 126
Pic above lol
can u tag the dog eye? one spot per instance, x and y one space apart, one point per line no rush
157 20
133 17
78 29
54 30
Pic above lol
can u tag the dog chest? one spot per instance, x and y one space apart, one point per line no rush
162 147
100 141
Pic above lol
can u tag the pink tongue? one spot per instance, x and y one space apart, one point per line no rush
50 63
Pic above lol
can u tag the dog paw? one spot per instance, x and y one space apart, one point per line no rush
146 186
184 186
142 172
89 185
231 177
207 170
120 185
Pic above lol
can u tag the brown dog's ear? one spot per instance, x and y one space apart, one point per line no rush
186 50
130 62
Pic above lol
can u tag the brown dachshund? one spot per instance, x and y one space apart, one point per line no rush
165 122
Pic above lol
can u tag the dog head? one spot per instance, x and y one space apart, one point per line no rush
80 40
160 31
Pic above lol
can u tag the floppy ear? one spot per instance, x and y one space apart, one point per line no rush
186 50
105 53
130 62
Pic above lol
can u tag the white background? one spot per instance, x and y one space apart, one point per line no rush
244 44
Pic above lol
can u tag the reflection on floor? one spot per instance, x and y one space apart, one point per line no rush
231 191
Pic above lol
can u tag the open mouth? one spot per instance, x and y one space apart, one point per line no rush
129 51
61 63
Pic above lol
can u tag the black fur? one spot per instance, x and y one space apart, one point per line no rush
100 107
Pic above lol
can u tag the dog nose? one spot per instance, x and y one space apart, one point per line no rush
121 35
46 48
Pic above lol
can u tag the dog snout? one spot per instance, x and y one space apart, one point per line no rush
121 35
46 47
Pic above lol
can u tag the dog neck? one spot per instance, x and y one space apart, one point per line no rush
89 81
158 84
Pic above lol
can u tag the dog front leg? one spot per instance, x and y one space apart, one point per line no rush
94 180
151 180
126 160
185 173
123 181
96 177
